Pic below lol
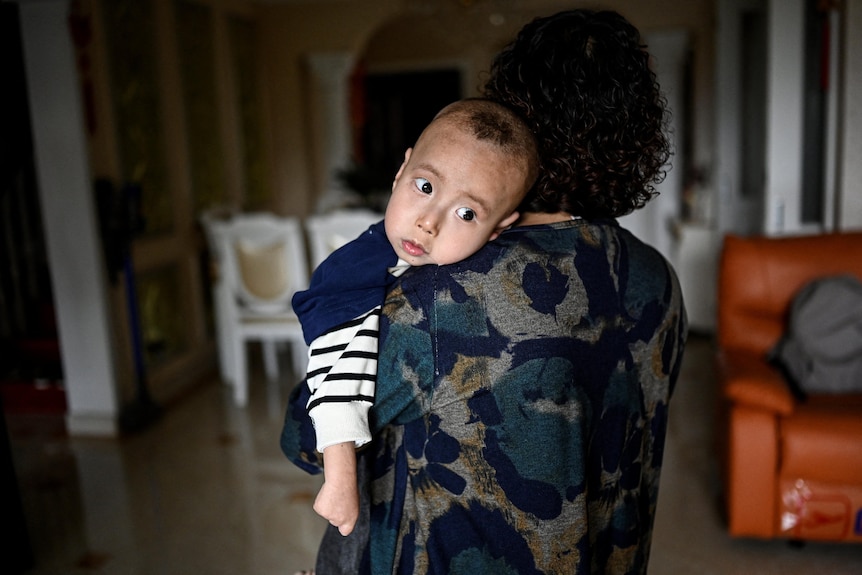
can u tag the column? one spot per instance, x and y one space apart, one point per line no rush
74 252
330 74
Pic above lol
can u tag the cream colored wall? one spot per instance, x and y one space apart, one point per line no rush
181 247
386 36
289 33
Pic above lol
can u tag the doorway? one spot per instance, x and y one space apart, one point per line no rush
397 107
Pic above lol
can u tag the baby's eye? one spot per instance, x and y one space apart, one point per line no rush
423 185
465 214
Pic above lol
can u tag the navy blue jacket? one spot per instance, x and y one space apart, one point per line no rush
351 281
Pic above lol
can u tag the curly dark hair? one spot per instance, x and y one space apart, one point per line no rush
581 79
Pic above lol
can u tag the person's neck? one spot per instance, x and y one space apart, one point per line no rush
536 218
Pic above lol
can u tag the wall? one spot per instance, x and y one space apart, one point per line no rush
290 34
171 282
76 136
385 35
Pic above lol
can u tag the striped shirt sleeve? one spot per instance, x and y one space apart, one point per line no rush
342 375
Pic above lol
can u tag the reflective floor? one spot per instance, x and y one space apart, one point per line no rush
205 490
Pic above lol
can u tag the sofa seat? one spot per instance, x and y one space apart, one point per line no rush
822 441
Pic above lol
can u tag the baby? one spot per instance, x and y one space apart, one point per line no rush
458 188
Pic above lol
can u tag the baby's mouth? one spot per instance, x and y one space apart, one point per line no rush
412 248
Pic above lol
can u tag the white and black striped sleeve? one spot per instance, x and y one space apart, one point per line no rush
342 376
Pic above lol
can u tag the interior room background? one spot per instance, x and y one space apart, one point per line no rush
169 108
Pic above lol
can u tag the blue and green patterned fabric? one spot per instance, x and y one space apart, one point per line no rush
521 407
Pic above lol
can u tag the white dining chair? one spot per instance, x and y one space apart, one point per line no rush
328 232
264 264
212 222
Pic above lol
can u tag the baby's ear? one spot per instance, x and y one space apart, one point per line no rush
401 169
505 223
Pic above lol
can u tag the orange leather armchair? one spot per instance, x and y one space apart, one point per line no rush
792 469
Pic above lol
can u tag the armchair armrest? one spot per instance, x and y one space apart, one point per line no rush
749 380
758 397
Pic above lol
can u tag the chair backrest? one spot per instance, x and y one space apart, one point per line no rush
212 221
264 260
328 232
759 277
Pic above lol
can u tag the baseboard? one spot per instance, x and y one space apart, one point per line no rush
92 425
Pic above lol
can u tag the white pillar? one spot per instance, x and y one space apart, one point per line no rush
785 117
65 192
849 198
330 74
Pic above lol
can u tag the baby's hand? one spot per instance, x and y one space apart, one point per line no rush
338 499
338 504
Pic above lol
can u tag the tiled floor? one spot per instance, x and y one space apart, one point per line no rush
206 491
689 534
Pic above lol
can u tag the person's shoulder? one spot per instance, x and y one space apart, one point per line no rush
640 249
602 238
560 236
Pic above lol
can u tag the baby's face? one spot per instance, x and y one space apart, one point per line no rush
452 195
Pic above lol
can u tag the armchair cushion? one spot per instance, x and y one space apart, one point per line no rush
822 440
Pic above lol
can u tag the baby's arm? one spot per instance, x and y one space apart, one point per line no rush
342 371
341 375
338 499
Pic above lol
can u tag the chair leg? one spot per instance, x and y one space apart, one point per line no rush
223 335
299 358
240 372
270 358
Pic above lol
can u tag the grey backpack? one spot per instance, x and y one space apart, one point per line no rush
821 351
